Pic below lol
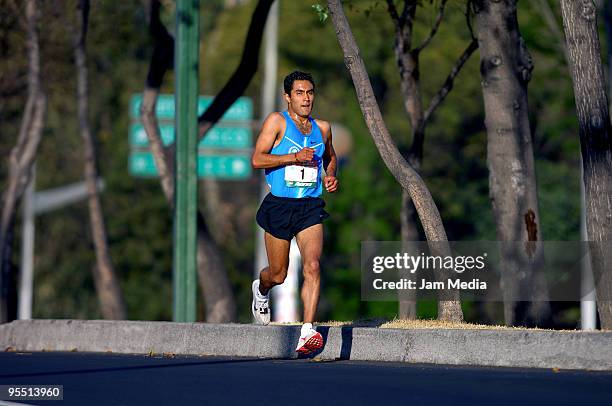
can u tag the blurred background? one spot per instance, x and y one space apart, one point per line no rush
367 205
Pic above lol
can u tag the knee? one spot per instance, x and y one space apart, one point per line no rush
312 270
278 275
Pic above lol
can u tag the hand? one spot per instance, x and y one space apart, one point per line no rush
305 155
331 183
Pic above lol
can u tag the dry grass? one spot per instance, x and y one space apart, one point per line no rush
409 324
420 324
431 324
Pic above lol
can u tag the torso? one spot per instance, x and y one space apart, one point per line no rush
283 129
291 140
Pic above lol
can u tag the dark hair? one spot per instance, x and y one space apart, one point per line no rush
296 75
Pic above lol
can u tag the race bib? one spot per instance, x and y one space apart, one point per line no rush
301 176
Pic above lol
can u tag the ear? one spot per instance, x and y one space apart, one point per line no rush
286 97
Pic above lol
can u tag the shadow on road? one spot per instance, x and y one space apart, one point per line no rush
347 337
139 367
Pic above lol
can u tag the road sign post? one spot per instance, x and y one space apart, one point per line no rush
221 154
185 195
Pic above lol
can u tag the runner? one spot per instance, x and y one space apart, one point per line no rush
294 149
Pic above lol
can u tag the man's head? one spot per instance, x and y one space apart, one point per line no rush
299 93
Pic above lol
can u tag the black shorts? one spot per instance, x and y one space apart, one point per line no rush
284 217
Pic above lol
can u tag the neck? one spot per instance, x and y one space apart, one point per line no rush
297 117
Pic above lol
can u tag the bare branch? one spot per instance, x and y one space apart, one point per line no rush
553 26
161 60
393 13
214 282
448 84
243 74
110 297
468 7
28 154
163 50
435 27
161 155
406 176
24 131
24 152
408 11
20 18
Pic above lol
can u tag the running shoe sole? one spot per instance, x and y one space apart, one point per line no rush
304 351
315 342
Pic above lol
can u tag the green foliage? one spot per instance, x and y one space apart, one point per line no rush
368 202
322 12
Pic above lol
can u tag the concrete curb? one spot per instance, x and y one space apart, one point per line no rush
507 348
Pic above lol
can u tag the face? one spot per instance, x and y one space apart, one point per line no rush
301 99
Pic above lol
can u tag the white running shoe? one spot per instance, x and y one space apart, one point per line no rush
310 340
260 306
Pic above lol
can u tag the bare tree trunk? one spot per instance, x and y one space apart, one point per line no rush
608 24
580 25
449 307
506 70
408 299
407 59
24 152
108 289
408 66
164 161
240 79
215 285
543 6
214 208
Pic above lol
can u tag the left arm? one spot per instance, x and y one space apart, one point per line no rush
329 159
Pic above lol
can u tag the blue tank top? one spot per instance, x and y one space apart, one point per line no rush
293 141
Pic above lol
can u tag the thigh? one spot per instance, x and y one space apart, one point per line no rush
310 243
278 251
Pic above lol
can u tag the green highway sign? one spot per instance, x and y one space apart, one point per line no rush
142 164
217 137
241 110
138 135
224 153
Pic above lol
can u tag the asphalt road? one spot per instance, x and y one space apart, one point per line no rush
114 379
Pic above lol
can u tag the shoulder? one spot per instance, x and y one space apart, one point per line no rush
275 118
324 126
275 122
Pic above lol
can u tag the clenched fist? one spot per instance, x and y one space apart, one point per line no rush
305 155
330 183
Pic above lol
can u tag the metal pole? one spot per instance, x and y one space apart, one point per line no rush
34 204
588 310
284 296
270 62
185 212
267 106
26 277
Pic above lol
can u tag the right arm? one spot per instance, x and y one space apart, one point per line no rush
262 158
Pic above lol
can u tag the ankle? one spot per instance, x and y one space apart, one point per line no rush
306 327
261 294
